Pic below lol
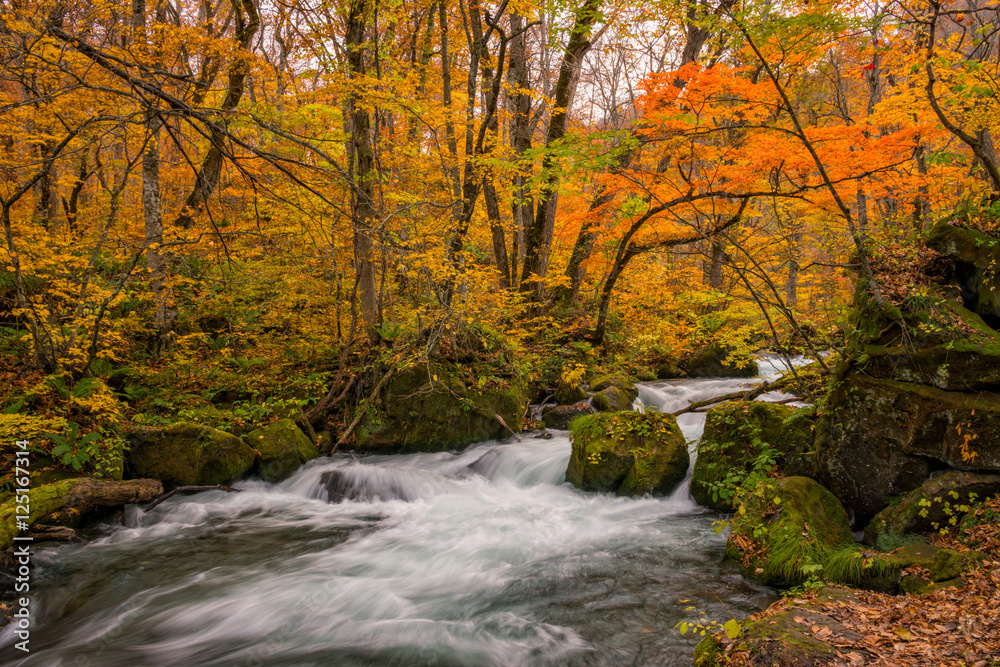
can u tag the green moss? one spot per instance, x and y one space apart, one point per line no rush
709 653
438 406
612 399
629 453
619 380
43 500
795 526
568 393
776 638
188 454
743 437
283 449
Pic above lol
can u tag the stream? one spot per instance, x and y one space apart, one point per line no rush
483 557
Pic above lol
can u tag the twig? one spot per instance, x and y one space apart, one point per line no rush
507 427
186 489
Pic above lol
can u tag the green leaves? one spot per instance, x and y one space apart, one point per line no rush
73 450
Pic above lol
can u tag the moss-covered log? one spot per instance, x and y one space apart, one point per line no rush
48 498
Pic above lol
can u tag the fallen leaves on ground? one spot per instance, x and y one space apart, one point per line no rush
948 626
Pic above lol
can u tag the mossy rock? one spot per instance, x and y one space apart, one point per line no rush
951 360
620 380
775 637
977 257
737 435
628 453
613 399
325 442
559 416
879 438
439 406
716 361
785 528
887 572
283 449
189 455
568 393
935 504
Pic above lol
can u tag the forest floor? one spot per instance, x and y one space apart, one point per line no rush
948 626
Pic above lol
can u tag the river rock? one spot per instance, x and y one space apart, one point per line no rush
976 258
344 485
936 503
560 416
430 407
613 393
715 362
785 528
738 435
189 455
879 438
283 449
569 392
628 453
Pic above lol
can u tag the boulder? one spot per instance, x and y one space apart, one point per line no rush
283 448
613 392
716 361
560 416
745 436
880 437
939 502
189 455
786 530
45 499
976 258
343 484
435 406
968 362
613 399
619 380
569 392
775 637
628 453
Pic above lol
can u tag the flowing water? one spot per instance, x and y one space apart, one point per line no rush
484 557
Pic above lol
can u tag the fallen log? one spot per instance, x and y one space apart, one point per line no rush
747 395
109 493
66 494
52 533
706 408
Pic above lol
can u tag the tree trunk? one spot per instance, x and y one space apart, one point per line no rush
363 213
152 206
539 238
207 178
522 205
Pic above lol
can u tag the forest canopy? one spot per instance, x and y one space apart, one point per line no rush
237 195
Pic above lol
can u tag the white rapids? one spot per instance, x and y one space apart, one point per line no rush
482 557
